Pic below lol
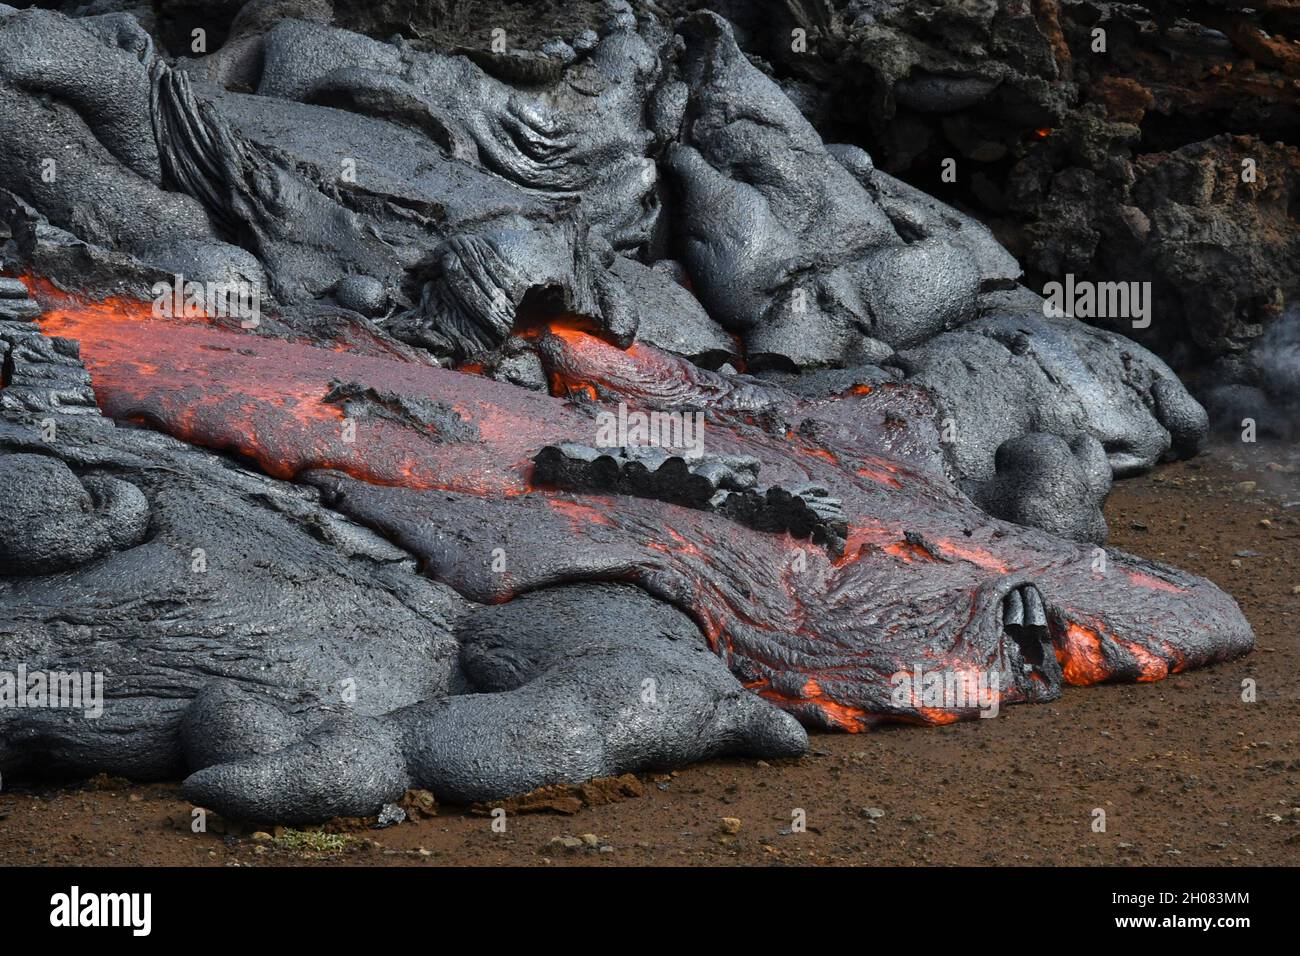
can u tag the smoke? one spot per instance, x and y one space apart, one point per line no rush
1277 358
1268 384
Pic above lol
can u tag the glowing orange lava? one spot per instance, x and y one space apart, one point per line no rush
1082 660
388 417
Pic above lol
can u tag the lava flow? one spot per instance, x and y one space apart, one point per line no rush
440 462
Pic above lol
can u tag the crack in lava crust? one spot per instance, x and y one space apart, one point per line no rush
921 583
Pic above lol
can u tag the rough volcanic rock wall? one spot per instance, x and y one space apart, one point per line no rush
1112 155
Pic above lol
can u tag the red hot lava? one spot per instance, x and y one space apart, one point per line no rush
440 461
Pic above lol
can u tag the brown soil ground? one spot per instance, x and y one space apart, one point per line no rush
1186 771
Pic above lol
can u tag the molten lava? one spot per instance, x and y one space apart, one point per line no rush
440 462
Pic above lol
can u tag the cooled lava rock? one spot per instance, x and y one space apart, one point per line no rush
1149 141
